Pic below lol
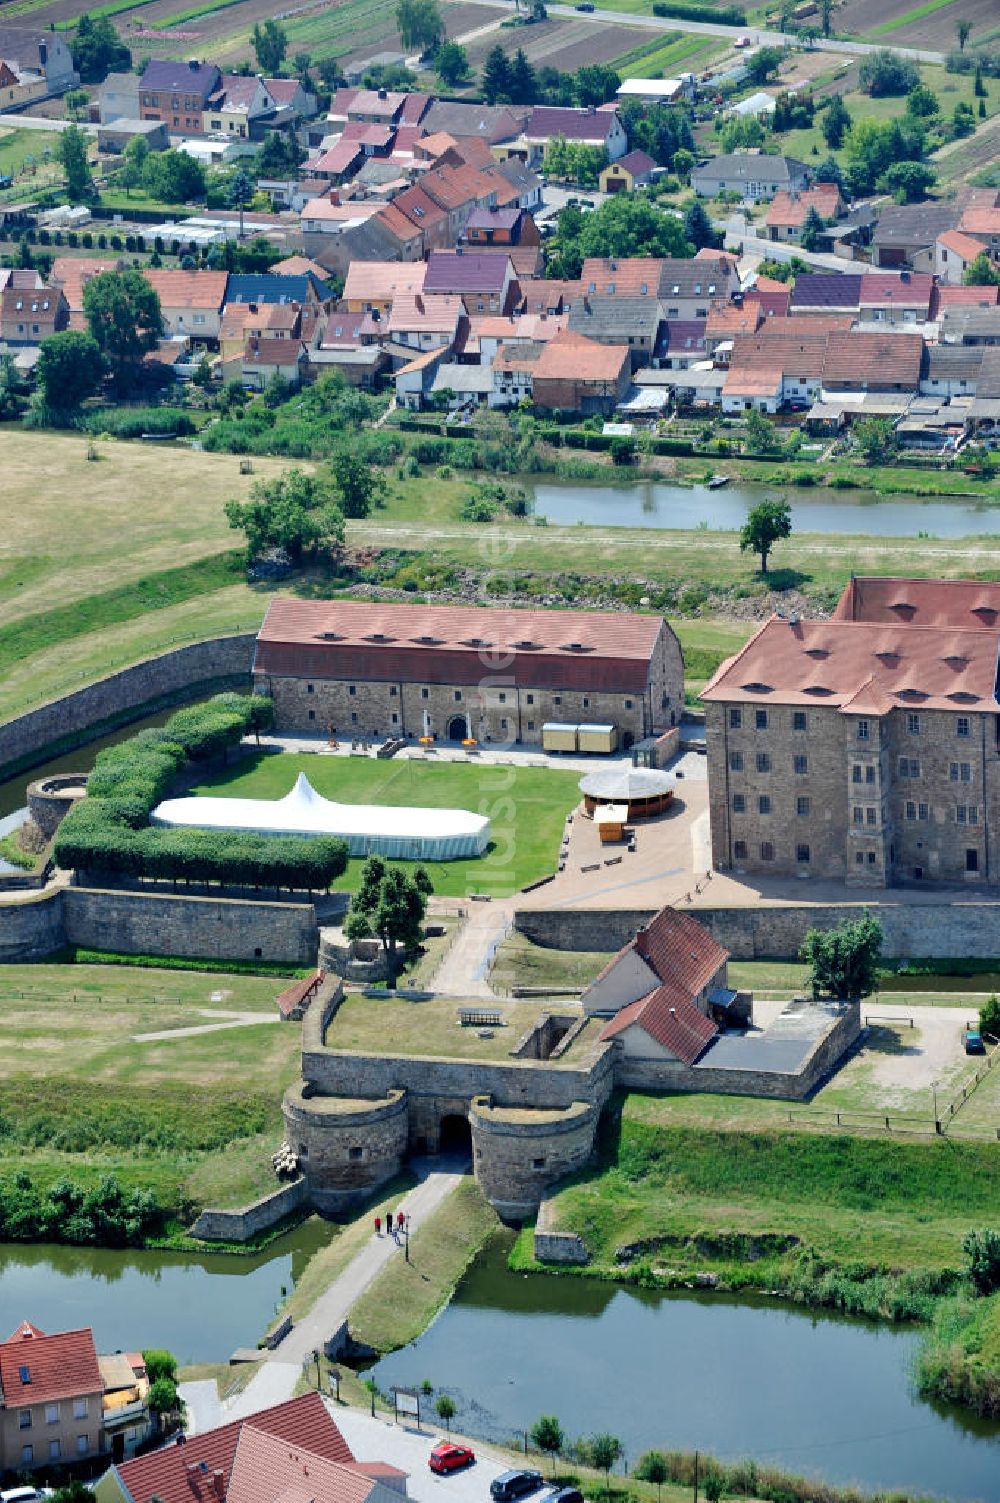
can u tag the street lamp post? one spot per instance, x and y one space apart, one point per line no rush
406 1237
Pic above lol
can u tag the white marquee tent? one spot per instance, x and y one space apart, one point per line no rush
369 829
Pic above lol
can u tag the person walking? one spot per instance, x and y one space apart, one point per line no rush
400 1219
378 1226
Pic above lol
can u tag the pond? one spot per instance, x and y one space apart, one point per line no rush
817 509
201 1306
806 1391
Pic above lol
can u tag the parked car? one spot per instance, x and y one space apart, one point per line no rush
565 1495
585 5
742 41
974 1042
447 1456
26 1494
515 1484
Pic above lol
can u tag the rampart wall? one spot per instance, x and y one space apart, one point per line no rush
89 712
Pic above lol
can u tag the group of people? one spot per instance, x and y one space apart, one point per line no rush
393 1225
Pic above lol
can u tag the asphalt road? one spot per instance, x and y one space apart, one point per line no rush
408 1448
716 29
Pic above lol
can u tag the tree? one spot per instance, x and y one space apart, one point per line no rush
604 1450
982 272
160 1364
844 959
131 172
452 64
760 435
982 1249
908 182
391 904
652 1467
420 24
241 191
683 163
885 73
595 84
444 1408
989 1016
547 1434
963 120
699 229
963 30
279 156
876 439
98 50
829 171
270 44
522 85
124 317
812 228
742 132
825 12
71 152
836 123
69 370
627 224
359 485
763 64
766 524
173 177
873 146
73 1492
76 102
495 80
296 512
921 102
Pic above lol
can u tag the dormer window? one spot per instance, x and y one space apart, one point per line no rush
756 688
330 636
575 647
378 636
817 652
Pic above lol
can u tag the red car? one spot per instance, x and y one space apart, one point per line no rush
448 1457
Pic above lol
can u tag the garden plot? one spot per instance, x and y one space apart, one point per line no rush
904 24
563 44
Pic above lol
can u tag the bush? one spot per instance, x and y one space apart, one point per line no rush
106 1216
133 422
989 1016
982 1249
726 15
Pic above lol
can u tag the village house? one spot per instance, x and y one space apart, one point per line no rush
424 321
905 234
788 211
38 51
492 225
634 170
234 103
631 321
982 223
599 128
51 1399
19 85
371 286
891 299
29 310
660 990
482 281
177 93
291 1451
576 374
191 301
954 251
755 176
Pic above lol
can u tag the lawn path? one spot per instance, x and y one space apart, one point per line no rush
233 1020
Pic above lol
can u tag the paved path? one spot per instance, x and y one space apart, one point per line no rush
716 29
408 1448
233 1020
43 122
464 971
204 1407
282 1368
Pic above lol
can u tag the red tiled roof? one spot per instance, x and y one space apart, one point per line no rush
969 604
876 360
546 121
72 273
367 641
381 281
963 245
980 219
790 209
669 1018
266 1468
574 357
827 662
966 297
729 319
638 163
293 996
63 1365
680 950
887 289
183 1473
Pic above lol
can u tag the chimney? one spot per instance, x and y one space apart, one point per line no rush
383 94
219 1482
43 53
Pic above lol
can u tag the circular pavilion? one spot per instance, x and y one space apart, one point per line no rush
643 790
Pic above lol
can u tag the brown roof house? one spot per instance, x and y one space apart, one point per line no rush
659 991
51 1409
30 311
576 374
634 170
789 210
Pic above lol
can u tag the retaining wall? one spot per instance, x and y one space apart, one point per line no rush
249 1221
31 929
518 1155
88 713
957 929
346 1147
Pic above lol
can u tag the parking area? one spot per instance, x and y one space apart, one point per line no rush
382 1440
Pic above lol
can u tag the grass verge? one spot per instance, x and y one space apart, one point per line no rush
404 1299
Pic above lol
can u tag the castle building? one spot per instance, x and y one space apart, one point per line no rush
365 669
865 748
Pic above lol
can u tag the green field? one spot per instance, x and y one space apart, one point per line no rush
660 61
527 807
366 1025
82 1096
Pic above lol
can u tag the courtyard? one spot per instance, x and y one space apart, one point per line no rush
383 1022
526 806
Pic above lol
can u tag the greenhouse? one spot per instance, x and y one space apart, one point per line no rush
407 833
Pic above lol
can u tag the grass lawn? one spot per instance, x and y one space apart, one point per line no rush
363 1024
519 962
658 61
404 1299
82 1096
528 806
672 1170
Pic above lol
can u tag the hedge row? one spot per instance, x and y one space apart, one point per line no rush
725 15
108 831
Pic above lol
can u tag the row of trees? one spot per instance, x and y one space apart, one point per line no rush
107 1215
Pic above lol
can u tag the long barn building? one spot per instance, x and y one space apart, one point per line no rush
366 669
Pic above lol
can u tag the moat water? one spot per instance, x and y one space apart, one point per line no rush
201 1306
809 1392
647 503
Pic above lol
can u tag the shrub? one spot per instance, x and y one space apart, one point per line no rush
982 1249
989 1016
726 15
133 422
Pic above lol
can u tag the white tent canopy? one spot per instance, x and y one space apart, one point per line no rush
369 829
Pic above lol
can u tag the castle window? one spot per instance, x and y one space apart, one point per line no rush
735 720
802 855
760 719
312 714
739 803
863 730
425 694
802 807
531 725
538 1163
763 762
351 689
764 804
736 761
628 704
740 850
801 766
310 688
913 724
766 851
799 721
355 1153
458 696
963 726
971 859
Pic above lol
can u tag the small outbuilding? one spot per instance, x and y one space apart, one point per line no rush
642 791
611 820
